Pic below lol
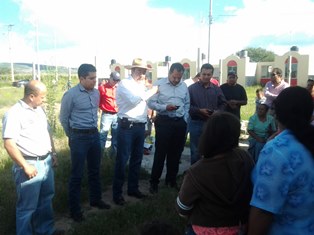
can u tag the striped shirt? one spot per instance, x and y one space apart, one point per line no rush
79 109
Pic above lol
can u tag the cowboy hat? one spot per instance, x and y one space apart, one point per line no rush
138 63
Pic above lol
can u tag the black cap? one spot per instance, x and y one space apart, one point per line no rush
232 73
115 76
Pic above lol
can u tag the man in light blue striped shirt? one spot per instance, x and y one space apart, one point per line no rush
172 103
79 118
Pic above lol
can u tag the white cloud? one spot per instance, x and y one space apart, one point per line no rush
123 29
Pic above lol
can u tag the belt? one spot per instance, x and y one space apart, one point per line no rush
138 123
84 131
132 123
199 119
165 117
108 112
37 158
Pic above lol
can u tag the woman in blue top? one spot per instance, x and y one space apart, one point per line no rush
283 178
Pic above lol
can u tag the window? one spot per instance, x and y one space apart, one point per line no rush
294 68
232 66
186 74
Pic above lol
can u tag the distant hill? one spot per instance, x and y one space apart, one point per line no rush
27 68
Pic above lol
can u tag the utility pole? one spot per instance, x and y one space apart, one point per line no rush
37 51
210 18
10 51
56 60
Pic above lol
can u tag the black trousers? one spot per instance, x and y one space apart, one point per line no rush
169 144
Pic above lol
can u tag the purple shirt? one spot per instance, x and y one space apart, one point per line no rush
205 98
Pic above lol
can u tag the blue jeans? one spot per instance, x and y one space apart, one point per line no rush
108 121
196 129
84 147
130 144
189 230
34 212
255 148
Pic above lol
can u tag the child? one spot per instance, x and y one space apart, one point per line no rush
260 97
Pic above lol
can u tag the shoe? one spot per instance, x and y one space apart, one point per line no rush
119 201
173 186
153 189
77 217
137 194
58 232
100 205
146 151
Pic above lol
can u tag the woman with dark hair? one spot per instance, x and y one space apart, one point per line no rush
310 88
283 196
261 126
216 190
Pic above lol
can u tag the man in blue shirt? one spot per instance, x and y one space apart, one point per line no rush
206 98
172 103
78 116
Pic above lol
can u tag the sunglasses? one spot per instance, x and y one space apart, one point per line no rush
274 74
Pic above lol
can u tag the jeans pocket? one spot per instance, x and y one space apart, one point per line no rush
19 175
125 123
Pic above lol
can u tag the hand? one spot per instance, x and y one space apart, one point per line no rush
232 104
171 107
30 171
54 160
206 112
268 93
261 140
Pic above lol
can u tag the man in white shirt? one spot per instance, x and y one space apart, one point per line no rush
131 96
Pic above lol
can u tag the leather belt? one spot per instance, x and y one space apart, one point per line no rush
131 123
138 123
165 117
84 131
37 158
108 112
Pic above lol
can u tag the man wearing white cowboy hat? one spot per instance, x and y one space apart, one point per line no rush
131 96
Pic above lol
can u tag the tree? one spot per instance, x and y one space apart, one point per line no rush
258 54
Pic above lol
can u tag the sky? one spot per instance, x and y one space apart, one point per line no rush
71 32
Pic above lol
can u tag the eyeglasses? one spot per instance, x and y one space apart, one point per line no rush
141 71
274 74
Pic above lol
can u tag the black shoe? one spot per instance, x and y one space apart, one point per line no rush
77 217
58 232
100 205
153 188
137 194
119 201
173 186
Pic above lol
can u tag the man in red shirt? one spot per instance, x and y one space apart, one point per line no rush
109 109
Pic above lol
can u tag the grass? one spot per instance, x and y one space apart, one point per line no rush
249 109
130 218
125 220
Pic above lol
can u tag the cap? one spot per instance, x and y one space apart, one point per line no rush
115 76
232 74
